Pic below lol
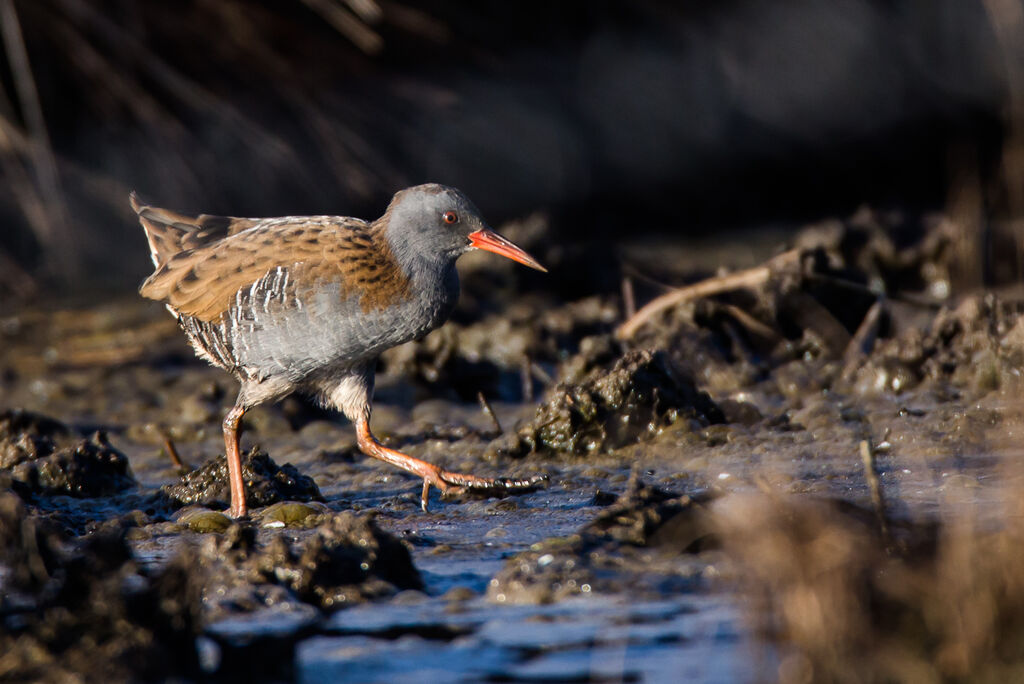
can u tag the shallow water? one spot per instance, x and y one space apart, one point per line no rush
584 639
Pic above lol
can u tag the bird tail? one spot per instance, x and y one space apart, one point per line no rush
165 230
170 233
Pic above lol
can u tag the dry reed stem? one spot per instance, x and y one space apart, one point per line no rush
50 216
749 278
867 457
348 23
486 407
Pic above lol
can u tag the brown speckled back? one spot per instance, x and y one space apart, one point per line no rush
203 282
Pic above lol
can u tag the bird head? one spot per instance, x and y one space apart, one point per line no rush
439 221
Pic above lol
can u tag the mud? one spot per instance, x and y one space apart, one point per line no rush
975 348
508 356
866 407
598 408
266 483
342 561
634 546
42 455
85 612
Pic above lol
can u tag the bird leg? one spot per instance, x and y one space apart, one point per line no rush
444 480
234 459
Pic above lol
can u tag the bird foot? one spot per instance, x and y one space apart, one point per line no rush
446 481
449 483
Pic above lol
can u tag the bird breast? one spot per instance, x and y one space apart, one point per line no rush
275 327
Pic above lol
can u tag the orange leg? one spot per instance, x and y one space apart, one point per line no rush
231 450
444 480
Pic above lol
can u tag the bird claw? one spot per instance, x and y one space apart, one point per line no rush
454 483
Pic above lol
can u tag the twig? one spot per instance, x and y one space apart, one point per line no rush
632 272
811 316
486 406
540 374
750 323
172 451
739 345
867 457
751 277
843 283
628 298
526 378
863 341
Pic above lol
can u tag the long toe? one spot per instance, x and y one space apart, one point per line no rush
530 483
449 483
503 484
446 489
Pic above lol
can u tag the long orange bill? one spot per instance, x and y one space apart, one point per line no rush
492 242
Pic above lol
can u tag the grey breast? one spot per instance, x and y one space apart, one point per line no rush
276 329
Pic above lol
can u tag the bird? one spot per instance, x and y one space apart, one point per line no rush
306 304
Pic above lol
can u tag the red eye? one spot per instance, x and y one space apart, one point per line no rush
450 217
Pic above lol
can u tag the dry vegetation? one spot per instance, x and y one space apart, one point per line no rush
943 601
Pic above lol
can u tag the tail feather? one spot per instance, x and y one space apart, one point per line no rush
170 233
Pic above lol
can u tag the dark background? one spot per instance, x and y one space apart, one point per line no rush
618 119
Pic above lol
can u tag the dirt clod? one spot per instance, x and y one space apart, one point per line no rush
607 409
637 542
977 346
26 435
44 455
645 515
345 560
84 612
265 483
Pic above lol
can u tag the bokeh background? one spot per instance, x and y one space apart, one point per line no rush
618 120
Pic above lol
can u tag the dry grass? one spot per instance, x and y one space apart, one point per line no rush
176 81
943 603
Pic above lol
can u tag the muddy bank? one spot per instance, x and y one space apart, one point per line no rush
597 408
775 378
84 611
44 457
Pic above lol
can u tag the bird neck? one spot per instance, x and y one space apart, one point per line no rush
416 253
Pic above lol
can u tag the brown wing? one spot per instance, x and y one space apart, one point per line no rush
203 281
169 232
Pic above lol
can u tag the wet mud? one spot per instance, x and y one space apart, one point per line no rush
828 419
43 456
596 408
635 546
266 483
85 611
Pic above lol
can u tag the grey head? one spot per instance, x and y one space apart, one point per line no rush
432 225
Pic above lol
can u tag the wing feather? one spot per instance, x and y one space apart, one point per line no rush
169 232
203 262
203 281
